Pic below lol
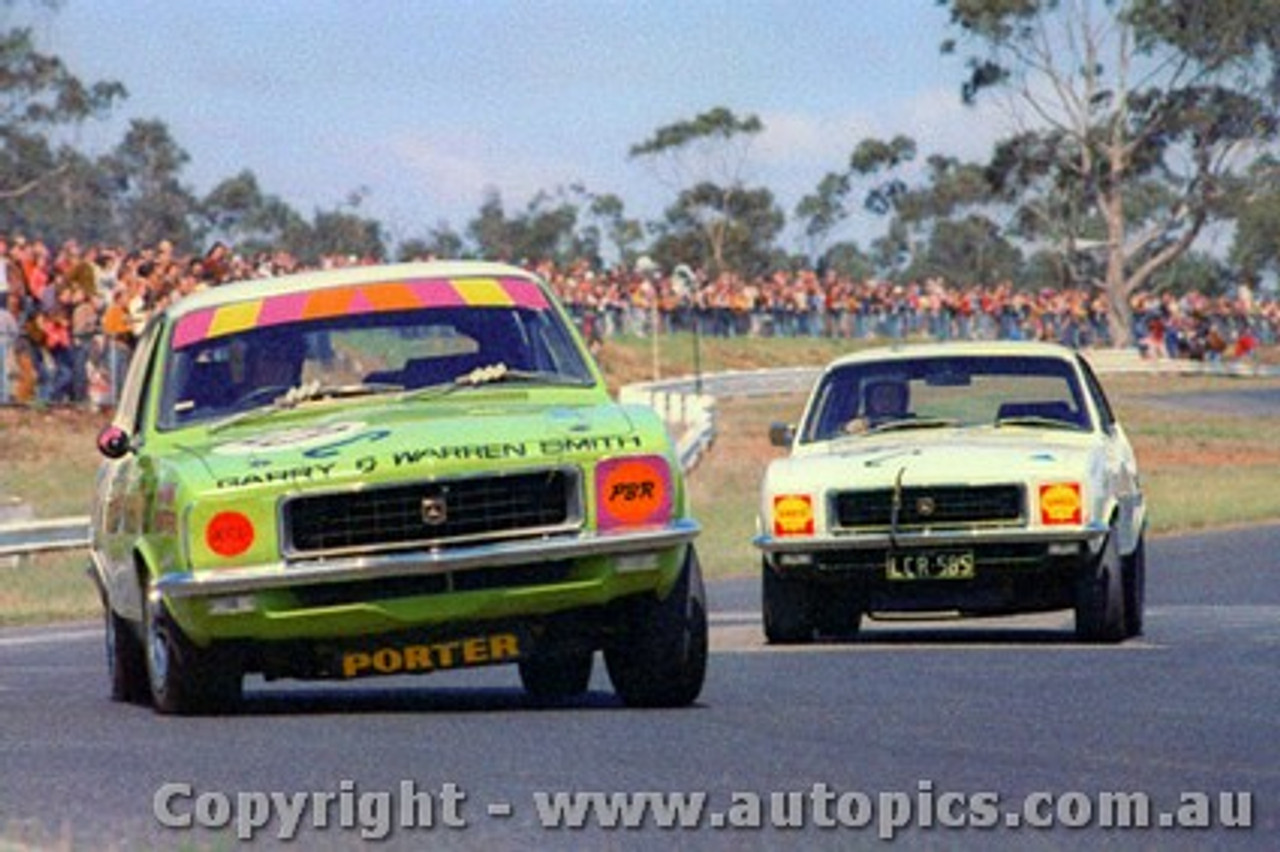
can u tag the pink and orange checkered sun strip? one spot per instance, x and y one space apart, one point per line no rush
375 297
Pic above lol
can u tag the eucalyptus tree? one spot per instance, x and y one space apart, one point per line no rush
42 103
238 212
1255 249
875 165
1134 116
750 221
704 160
606 215
151 201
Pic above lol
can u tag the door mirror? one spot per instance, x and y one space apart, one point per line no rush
114 443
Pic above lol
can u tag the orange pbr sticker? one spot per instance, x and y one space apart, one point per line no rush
792 514
1060 503
633 492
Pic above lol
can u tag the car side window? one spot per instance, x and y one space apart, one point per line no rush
131 410
1099 397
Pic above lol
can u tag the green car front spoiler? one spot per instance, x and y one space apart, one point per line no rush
283 575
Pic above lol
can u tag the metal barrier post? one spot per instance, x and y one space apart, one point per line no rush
4 374
113 364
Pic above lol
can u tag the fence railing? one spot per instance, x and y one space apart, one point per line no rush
25 537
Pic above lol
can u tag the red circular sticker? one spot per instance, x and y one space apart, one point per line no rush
229 534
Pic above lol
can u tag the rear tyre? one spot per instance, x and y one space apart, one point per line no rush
126 661
1135 589
788 608
186 680
659 658
1100 611
553 677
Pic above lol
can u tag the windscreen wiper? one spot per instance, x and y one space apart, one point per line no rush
493 374
1035 420
305 392
912 423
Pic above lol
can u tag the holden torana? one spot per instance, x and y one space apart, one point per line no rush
383 470
961 479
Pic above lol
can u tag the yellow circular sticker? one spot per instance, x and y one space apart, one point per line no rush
792 514
1060 503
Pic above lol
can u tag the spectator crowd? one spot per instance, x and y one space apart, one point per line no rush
69 314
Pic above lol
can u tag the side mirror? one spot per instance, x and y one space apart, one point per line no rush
782 434
113 442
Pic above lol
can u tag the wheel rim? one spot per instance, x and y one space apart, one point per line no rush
109 637
157 651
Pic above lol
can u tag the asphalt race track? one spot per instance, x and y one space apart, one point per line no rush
919 713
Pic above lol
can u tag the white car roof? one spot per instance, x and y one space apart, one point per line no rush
971 349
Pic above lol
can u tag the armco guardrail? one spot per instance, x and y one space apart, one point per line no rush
37 536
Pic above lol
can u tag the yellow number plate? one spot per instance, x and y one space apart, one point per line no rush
432 656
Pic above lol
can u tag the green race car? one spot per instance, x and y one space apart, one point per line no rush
385 470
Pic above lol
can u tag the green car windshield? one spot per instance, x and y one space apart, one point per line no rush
216 377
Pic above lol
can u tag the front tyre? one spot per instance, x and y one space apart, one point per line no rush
126 660
787 605
555 677
1135 589
184 679
837 612
1100 611
659 659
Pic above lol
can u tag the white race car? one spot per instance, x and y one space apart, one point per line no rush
970 479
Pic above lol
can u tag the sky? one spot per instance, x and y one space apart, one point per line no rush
427 106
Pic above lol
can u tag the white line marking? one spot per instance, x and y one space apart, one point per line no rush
51 638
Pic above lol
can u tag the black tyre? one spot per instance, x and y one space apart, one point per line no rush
659 658
126 660
1135 589
184 679
1100 613
556 676
837 612
788 609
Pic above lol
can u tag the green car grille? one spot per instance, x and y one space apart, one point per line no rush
433 513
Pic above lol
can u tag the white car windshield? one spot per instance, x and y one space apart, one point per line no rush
964 391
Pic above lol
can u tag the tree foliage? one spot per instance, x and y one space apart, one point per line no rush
1145 108
704 159
146 172
1140 125
40 96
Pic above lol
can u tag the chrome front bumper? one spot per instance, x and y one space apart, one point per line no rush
1093 535
283 575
